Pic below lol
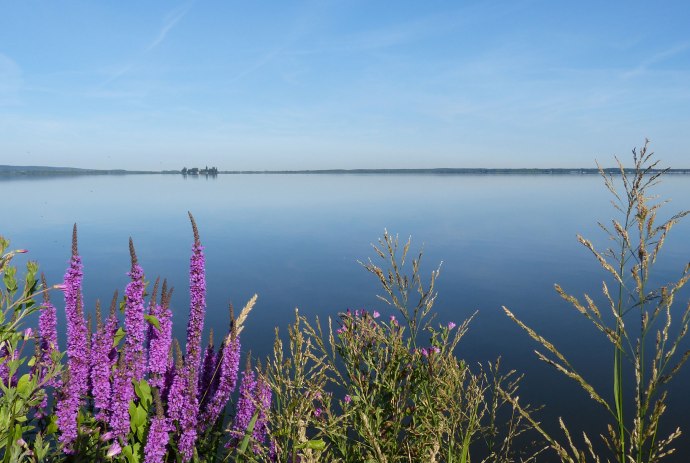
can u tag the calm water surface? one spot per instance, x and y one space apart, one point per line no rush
295 241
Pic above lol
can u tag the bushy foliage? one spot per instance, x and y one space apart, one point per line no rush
390 391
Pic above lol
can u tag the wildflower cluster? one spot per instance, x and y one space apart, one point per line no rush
121 394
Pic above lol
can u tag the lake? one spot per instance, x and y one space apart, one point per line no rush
295 241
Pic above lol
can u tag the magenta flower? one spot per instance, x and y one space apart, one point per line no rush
176 391
160 340
197 294
451 325
103 360
122 394
229 368
47 332
135 325
157 439
262 399
114 450
188 421
207 377
245 408
77 351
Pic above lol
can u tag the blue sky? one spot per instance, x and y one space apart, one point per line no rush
342 84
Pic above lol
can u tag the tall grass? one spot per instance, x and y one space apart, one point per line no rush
644 341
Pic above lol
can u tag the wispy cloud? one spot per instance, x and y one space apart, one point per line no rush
169 22
658 58
10 80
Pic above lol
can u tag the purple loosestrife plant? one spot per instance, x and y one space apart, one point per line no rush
160 340
262 398
48 343
158 435
197 309
229 368
209 365
135 324
188 420
122 394
103 360
176 392
47 331
245 407
77 351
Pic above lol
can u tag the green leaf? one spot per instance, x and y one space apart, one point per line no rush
119 334
143 391
152 319
24 384
52 425
250 429
314 444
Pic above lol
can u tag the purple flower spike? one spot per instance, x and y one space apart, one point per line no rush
263 400
197 309
245 408
176 391
103 360
157 439
77 351
123 393
47 331
229 368
451 325
208 372
188 421
135 325
160 340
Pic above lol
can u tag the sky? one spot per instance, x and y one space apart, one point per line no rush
342 84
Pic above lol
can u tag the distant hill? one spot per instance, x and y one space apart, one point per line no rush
49 170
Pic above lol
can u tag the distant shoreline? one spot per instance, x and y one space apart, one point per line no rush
38 171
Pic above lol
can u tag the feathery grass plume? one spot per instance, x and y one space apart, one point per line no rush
77 351
135 324
158 435
397 285
244 313
638 239
160 340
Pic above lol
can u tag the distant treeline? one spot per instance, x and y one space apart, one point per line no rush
6 170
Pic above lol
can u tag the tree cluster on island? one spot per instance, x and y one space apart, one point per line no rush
196 171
